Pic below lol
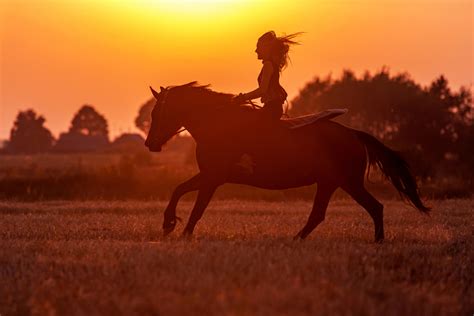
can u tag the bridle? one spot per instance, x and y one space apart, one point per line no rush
162 105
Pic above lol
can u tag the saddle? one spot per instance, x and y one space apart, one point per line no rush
300 121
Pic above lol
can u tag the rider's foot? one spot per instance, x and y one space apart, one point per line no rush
246 163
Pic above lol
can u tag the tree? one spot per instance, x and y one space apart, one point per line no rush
88 121
28 135
143 120
88 132
425 123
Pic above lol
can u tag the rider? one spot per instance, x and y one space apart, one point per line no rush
273 51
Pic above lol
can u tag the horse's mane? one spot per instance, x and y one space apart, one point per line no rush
202 94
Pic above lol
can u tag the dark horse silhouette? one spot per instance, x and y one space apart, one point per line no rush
277 157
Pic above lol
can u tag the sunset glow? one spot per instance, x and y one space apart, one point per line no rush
106 53
236 157
190 6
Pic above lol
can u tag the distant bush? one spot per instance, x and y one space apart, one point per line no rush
128 142
76 142
133 176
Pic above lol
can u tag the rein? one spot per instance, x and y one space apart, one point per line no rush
179 131
254 105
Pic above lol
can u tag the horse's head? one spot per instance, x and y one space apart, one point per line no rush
189 103
164 121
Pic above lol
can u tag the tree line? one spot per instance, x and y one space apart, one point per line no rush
432 126
88 131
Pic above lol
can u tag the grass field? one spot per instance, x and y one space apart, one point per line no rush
108 258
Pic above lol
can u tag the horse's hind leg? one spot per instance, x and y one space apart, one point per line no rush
318 213
370 204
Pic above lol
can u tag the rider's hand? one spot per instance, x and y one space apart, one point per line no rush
239 98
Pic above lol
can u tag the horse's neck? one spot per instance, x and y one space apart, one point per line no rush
210 123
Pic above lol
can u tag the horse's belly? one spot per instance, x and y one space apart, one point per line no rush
275 171
296 158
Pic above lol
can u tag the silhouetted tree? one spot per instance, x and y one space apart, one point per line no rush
28 135
423 122
143 120
88 132
88 121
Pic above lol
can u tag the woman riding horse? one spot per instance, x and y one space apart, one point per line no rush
323 152
273 51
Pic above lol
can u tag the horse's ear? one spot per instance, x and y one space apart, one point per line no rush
155 94
162 89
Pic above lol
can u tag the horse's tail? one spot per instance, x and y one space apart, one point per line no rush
394 167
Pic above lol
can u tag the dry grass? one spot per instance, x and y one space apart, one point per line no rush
76 258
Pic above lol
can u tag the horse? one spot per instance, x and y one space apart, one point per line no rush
236 144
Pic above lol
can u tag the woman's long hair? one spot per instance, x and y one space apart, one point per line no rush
280 46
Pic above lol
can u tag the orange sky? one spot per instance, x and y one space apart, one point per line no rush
58 55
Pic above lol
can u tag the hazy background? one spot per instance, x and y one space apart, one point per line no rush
57 55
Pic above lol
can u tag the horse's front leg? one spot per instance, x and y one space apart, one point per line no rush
204 197
169 222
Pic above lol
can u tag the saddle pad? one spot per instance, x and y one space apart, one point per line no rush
304 120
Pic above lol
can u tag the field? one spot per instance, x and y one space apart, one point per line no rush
109 258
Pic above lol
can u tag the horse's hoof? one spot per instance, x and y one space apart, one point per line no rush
186 235
167 230
379 237
299 236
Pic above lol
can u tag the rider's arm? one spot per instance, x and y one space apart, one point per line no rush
267 71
